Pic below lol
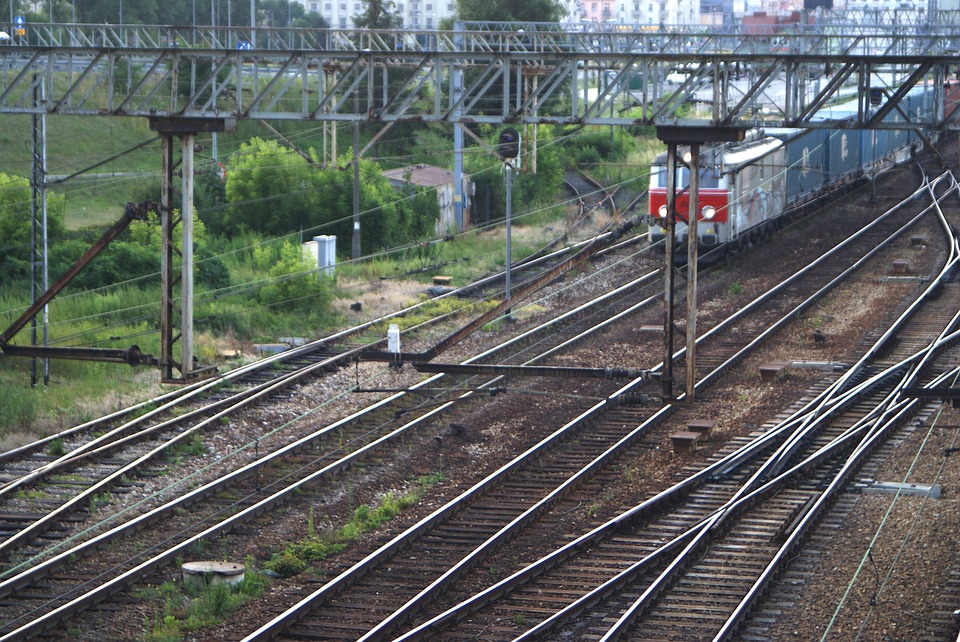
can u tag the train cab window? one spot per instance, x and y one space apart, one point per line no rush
658 176
709 177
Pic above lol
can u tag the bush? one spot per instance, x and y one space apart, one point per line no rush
295 281
287 564
587 157
211 271
596 145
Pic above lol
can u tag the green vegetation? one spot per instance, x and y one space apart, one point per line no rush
191 606
252 282
276 13
98 499
56 448
298 556
31 495
192 446
507 11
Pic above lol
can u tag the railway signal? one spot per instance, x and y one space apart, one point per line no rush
509 143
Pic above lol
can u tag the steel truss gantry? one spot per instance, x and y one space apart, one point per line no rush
512 76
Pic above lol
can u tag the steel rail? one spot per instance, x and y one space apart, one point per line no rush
707 533
652 505
724 466
232 404
682 540
690 538
170 400
48 566
773 466
877 432
415 603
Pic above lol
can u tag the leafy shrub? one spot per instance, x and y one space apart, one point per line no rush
587 156
598 144
287 564
295 281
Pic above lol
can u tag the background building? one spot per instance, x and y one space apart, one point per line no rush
416 14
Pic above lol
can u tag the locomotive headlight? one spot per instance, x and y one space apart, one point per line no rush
708 212
662 212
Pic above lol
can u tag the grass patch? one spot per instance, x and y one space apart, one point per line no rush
299 556
192 446
192 606
35 495
56 448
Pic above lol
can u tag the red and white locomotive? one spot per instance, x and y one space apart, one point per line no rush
742 188
747 187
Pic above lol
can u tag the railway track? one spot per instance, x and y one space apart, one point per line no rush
691 572
253 483
99 453
449 543
127 543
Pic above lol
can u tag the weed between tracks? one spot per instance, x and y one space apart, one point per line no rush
298 556
192 606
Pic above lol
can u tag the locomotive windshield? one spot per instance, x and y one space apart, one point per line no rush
708 177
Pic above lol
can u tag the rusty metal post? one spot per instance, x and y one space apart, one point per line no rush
186 256
174 317
673 136
666 380
692 249
167 249
132 211
178 252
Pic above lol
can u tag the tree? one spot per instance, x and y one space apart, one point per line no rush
270 189
378 14
15 225
167 12
312 20
489 201
293 280
134 11
510 10
280 13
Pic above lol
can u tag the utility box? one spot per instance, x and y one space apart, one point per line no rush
323 250
326 252
393 338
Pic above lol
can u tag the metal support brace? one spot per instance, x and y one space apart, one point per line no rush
132 212
533 371
176 321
